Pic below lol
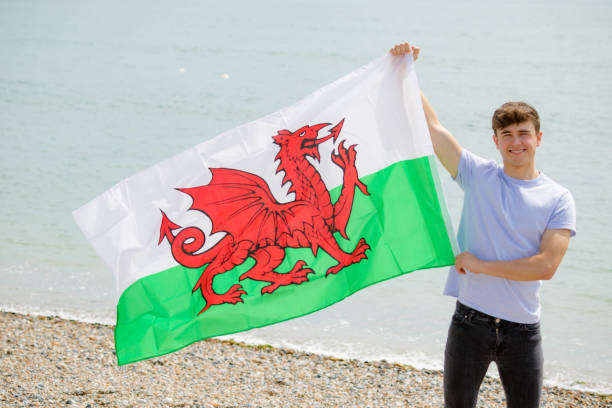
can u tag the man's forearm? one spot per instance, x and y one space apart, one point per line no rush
532 268
445 146
430 113
541 266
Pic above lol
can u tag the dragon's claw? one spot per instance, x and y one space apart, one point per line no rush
352 154
301 275
345 158
334 269
297 275
357 255
337 160
270 288
233 296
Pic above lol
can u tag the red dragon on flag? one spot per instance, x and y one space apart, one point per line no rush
258 226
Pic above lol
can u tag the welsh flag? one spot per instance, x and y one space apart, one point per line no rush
276 218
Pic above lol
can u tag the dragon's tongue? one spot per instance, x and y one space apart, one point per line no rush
318 141
333 132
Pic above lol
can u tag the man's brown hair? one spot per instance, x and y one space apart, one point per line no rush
511 113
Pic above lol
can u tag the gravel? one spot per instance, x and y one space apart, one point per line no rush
50 362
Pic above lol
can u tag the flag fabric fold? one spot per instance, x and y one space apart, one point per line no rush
277 218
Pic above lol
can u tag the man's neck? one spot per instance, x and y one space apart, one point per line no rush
522 172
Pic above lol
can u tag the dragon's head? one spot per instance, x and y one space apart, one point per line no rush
304 142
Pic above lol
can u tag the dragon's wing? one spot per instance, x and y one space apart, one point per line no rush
242 205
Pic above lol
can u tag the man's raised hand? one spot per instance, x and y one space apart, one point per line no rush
406 48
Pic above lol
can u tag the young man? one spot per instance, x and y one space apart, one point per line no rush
515 228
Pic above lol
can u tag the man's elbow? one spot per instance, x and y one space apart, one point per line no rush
549 271
548 274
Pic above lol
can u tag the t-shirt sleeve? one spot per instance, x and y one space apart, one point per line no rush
469 165
564 215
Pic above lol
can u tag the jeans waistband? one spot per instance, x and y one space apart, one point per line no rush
467 311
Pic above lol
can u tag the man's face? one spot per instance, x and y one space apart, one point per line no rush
517 144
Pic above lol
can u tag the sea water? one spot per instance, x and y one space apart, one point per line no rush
92 92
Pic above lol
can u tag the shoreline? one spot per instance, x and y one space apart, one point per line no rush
49 361
575 385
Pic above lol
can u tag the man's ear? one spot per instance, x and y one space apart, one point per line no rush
495 140
539 138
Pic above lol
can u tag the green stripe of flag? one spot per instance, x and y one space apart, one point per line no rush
403 220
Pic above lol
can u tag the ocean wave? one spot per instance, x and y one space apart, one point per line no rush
104 317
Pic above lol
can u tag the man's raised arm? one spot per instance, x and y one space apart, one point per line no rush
445 145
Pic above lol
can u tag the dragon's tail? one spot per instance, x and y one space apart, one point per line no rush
186 243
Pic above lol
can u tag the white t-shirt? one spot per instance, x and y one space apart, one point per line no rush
503 219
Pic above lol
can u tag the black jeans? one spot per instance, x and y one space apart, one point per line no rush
474 340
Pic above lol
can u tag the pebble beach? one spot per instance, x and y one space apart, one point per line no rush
51 362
